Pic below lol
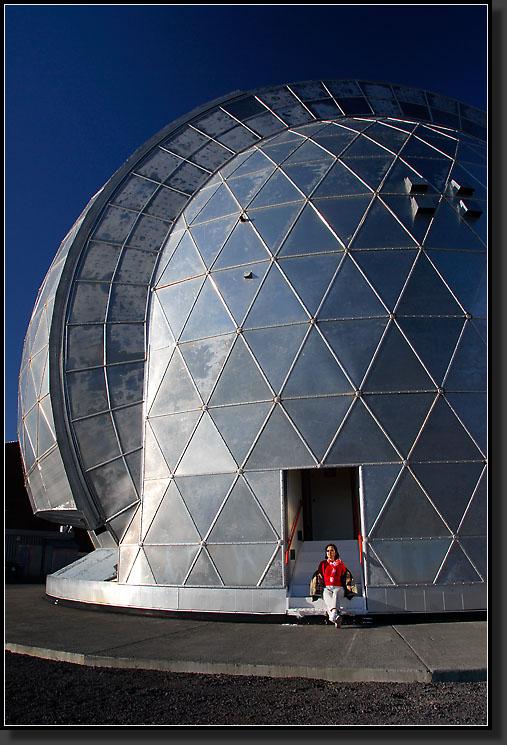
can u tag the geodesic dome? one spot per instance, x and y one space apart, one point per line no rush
285 287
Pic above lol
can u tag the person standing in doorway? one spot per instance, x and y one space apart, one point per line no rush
331 570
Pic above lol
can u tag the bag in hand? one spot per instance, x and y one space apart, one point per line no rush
348 584
316 586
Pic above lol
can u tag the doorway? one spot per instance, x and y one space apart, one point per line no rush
330 499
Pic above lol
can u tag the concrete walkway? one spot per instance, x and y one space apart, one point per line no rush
404 652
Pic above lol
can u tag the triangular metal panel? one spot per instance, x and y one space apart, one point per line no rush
209 316
241 519
370 170
239 286
401 415
342 214
176 391
211 236
456 568
203 573
306 176
273 223
309 235
396 367
241 565
141 573
341 182
177 301
204 359
475 520
443 438
477 551
206 452
434 340
377 482
412 561
360 441
279 446
171 523
425 294
277 190
153 493
316 371
239 425
318 419
381 230
310 276
203 496
170 564
468 368
242 247
387 271
240 380
354 342
471 410
185 262
172 433
350 295
275 303
275 349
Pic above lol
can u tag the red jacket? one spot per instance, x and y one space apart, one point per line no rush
326 568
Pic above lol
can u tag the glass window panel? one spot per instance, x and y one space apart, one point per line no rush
172 433
205 359
353 106
247 186
475 521
266 487
37 367
324 109
457 568
238 291
471 409
211 156
277 190
412 562
129 425
279 446
206 452
434 170
167 203
45 437
294 115
203 573
281 147
188 178
416 224
177 301
360 441
176 391
87 392
240 381
443 438
343 215
275 304
371 170
407 375
201 198
350 295
127 303
426 294
125 383
384 107
434 340
401 415
185 262
124 342
386 270
115 225
340 181
265 124
273 223
160 335
381 230
209 317
447 223
275 349
85 346
316 372
241 518
311 276
242 247
449 486
307 175
97 440
377 482
100 261
171 523
239 425
149 233
310 234
158 165
155 466
211 236
203 496
468 368
241 565
113 485
354 343
90 302
134 193
476 550
394 182
170 564
220 204
318 419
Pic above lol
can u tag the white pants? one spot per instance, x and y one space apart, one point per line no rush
333 598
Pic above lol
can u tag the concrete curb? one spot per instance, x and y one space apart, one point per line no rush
333 674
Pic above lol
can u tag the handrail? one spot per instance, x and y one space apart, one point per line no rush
293 531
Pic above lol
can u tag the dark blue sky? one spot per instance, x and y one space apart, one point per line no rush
86 85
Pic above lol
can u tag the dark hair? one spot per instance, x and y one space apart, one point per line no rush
331 545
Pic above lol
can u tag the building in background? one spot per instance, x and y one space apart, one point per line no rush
266 332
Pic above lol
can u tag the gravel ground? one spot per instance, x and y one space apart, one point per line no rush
44 692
